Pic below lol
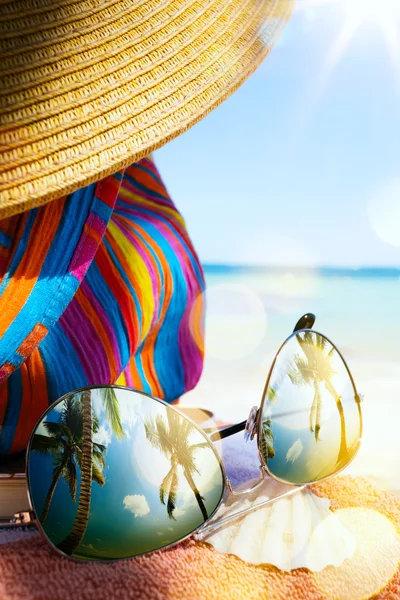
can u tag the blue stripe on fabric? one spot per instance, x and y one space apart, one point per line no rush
20 251
24 323
141 167
55 286
138 362
5 240
102 210
143 188
106 298
13 410
15 359
125 278
64 372
66 239
119 175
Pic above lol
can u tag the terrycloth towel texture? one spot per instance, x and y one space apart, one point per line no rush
30 570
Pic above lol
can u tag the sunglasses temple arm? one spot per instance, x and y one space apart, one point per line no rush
22 519
218 434
208 528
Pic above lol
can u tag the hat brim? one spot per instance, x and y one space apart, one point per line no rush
86 91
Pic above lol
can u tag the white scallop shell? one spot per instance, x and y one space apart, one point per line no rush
293 532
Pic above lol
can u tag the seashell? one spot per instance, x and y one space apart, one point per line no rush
293 532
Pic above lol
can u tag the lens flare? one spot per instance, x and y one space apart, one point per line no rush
384 14
374 562
383 212
236 321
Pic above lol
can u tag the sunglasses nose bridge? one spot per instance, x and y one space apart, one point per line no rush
242 491
251 424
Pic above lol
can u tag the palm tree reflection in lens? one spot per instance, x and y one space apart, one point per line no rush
64 444
172 439
110 402
317 366
267 440
122 516
315 370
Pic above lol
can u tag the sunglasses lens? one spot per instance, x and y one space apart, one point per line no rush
311 417
114 474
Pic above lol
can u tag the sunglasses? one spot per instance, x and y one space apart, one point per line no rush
114 473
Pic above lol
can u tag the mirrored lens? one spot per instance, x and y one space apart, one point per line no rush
311 416
114 473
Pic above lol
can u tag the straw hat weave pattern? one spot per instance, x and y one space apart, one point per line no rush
89 87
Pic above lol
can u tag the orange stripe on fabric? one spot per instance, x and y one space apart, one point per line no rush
38 380
96 236
146 179
136 380
27 272
147 358
148 365
97 323
196 322
6 369
155 207
121 293
32 340
34 399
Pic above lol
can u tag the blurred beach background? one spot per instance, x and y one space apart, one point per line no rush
291 194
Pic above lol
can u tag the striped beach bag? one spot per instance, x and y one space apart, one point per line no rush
102 286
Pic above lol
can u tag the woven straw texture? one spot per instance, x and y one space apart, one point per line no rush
88 87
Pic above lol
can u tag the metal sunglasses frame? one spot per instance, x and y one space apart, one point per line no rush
251 427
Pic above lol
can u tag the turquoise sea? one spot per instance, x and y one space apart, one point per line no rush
359 309
250 312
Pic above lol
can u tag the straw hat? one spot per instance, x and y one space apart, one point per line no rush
88 87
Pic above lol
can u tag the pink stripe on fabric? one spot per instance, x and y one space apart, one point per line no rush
128 377
86 289
87 344
191 355
83 256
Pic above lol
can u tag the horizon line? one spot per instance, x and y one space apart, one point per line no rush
271 267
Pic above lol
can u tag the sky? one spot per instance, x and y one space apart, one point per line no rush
301 165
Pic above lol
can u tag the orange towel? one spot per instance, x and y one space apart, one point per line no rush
30 570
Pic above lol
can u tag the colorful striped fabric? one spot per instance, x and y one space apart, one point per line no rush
103 286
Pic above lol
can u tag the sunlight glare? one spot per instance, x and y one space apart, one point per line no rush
383 13
380 11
